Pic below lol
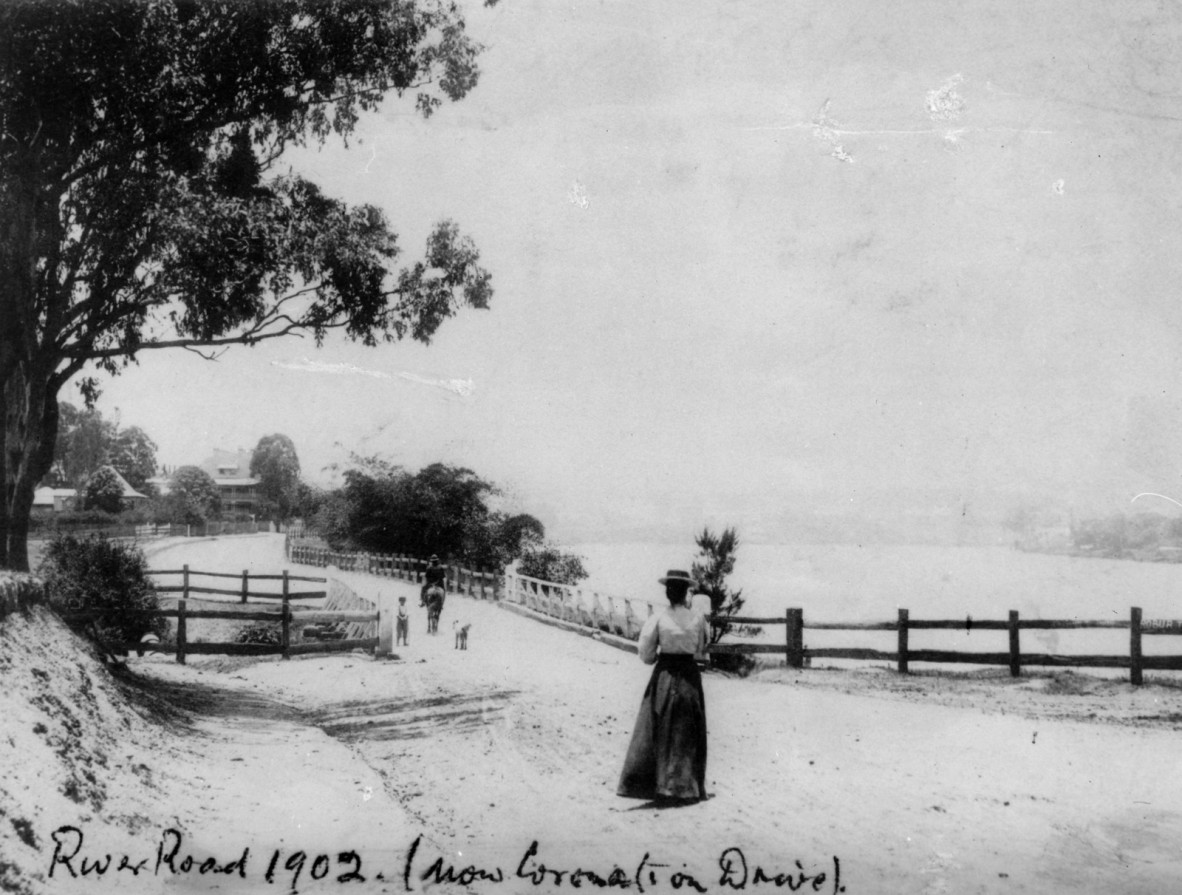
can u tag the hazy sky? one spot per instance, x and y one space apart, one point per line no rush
757 256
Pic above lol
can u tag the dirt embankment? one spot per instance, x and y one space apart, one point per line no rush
79 751
100 762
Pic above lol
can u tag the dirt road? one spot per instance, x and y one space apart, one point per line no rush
519 740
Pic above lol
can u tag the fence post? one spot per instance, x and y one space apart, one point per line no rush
904 619
1135 646
386 615
180 625
286 635
795 638
1015 645
245 581
185 582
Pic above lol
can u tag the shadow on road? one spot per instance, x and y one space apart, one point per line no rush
408 718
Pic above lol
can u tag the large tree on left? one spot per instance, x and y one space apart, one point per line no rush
143 204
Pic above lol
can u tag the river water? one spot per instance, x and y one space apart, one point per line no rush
870 583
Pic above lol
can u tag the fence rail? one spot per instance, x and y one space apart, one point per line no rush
615 615
358 621
185 586
576 605
146 531
480 583
796 654
624 617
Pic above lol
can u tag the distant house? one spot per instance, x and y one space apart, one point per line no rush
230 471
236 487
53 500
131 497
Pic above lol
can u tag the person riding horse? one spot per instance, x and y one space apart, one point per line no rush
434 600
434 575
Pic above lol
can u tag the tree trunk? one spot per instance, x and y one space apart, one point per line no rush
29 402
29 381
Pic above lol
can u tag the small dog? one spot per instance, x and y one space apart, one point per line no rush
461 633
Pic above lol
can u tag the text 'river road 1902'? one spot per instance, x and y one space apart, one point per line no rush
732 871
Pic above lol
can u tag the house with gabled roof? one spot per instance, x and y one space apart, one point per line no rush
131 498
48 500
237 488
230 471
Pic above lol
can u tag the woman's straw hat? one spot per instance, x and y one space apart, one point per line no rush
678 575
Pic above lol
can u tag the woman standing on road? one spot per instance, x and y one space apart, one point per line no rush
666 759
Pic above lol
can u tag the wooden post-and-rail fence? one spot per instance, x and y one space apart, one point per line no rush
284 616
796 653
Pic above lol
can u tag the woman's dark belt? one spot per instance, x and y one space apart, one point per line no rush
675 659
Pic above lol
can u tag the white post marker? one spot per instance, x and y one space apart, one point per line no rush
387 612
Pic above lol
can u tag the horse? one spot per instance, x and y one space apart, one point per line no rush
434 608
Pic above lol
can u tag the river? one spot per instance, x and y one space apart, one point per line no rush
870 583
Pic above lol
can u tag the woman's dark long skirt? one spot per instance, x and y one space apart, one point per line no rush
667 755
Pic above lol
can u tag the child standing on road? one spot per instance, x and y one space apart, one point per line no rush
403 626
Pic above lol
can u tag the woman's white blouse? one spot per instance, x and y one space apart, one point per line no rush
677 629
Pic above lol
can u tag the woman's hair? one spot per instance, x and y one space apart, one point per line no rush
677 593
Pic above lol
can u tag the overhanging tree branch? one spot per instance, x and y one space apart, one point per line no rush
133 139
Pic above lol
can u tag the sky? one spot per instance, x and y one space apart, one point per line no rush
759 264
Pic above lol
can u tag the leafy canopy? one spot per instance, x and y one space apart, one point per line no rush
141 150
103 491
134 457
440 509
548 562
192 496
86 442
277 467
147 205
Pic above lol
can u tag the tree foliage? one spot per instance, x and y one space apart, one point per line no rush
441 509
93 574
104 491
714 562
134 457
87 441
550 563
520 533
147 205
432 511
192 497
277 467
84 444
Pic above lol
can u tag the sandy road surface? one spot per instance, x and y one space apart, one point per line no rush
520 738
